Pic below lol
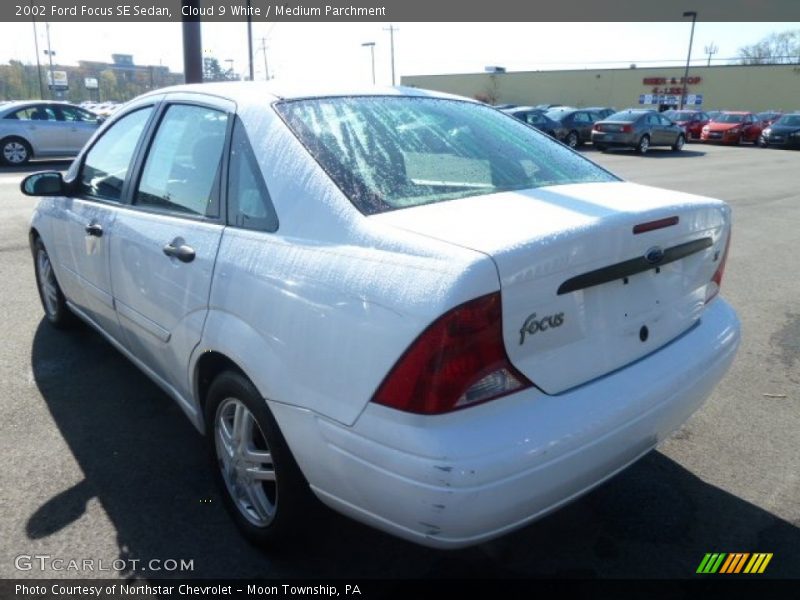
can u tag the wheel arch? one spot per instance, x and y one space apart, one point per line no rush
208 366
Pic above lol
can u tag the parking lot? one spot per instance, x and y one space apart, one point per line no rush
100 464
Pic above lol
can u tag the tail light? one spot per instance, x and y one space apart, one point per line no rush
626 129
458 361
716 281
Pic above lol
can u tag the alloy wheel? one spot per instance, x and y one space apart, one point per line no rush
47 282
245 462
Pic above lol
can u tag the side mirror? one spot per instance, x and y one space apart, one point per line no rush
46 183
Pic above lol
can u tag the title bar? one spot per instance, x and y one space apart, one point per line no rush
399 10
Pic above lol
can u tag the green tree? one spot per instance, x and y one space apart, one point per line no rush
212 71
774 49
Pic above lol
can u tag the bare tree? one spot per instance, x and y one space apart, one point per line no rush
775 49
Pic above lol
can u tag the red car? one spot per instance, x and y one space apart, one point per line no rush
733 128
692 121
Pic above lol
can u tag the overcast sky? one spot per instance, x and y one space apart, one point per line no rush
328 53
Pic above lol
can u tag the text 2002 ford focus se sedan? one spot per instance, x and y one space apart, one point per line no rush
440 321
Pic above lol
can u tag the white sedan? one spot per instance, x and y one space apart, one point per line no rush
418 309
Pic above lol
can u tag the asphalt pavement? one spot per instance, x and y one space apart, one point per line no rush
99 464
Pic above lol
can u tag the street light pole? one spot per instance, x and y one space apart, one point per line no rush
38 63
371 46
693 14
50 53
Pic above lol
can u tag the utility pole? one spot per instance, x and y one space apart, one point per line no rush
693 14
250 40
391 29
711 50
49 52
264 50
38 63
192 46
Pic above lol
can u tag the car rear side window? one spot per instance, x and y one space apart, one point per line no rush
182 170
106 166
387 152
249 203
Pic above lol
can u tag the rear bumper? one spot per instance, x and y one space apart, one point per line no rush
459 479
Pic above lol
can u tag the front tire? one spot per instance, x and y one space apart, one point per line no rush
53 300
15 151
262 486
678 145
644 145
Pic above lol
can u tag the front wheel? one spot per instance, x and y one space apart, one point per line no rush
644 145
262 486
53 301
678 145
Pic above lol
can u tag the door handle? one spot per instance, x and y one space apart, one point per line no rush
178 248
94 229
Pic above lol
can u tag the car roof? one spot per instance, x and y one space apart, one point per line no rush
258 91
735 112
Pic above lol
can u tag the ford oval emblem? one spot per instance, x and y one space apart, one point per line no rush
654 255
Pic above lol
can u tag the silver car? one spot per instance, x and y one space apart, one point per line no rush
43 129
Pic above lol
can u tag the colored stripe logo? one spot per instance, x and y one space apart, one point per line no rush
734 562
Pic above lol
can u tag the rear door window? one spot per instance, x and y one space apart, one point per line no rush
182 171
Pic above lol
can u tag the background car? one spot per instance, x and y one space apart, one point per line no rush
538 119
575 124
732 127
639 129
692 121
43 129
783 133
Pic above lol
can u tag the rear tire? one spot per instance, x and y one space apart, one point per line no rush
644 145
261 484
678 145
53 300
573 140
15 151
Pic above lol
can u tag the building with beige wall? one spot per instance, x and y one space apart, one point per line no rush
731 87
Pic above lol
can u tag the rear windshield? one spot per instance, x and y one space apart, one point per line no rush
387 153
677 115
626 116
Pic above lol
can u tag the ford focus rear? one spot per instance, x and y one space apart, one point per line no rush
428 315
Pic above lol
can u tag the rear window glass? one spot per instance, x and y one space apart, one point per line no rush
626 116
387 153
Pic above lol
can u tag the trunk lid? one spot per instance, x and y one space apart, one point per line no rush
582 293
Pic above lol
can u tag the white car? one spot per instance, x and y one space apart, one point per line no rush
436 319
